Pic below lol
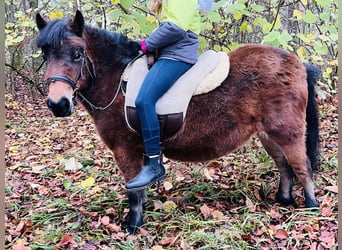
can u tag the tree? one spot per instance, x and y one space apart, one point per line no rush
307 28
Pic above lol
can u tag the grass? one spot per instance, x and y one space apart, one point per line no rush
42 207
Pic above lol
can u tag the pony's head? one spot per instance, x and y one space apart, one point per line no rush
65 53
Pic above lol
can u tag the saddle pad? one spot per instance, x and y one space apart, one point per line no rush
177 98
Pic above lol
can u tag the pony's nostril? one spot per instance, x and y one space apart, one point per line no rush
61 108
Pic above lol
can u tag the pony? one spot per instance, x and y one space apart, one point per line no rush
268 92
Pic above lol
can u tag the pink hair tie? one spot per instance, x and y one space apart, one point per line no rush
143 46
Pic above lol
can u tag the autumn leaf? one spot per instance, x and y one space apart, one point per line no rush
87 182
72 164
167 241
105 220
328 238
66 240
298 14
206 211
281 234
169 206
333 189
167 185
207 174
20 245
157 247
217 215
250 204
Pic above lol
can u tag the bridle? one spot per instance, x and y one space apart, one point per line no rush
73 83
92 73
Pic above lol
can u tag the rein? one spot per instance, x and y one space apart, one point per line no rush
92 74
95 108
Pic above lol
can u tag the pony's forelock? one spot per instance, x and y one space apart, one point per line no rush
53 34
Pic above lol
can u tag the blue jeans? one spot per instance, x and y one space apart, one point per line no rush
159 79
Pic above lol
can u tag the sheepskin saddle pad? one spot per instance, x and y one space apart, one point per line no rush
208 73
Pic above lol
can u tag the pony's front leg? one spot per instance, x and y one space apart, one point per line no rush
136 199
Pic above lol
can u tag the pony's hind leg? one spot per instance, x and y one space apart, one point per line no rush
284 195
294 151
298 160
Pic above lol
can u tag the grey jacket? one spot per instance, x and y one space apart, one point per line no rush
172 42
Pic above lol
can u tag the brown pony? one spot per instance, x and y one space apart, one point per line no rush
268 91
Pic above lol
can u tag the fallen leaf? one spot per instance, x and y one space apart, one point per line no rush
168 206
105 220
206 211
168 185
114 228
157 248
275 214
281 234
328 238
217 215
167 241
20 246
250 204
37 167
72 164
88 182
207 175
65 240
158 205
333 189
326 211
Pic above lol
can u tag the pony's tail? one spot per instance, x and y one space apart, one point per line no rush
312 120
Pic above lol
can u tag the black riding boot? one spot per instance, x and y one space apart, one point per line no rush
152 171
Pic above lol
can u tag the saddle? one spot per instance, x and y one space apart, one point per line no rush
206 75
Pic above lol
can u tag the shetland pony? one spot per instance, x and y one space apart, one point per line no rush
268 91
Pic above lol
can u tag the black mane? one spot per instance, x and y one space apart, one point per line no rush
118 43
110 43
53 33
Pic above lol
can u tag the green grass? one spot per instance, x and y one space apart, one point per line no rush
52 203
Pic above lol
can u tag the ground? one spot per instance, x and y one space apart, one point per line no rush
63 191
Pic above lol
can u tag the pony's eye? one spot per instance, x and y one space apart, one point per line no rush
78 56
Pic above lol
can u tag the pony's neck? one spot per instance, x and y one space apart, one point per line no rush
111 49
110 53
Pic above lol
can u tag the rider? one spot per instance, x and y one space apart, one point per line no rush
176 43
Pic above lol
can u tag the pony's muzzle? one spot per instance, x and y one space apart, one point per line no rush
62 108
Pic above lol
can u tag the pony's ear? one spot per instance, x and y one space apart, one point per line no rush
41 23
77 24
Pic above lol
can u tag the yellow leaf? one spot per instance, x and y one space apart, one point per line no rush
301 52
14 149
311 37
88 182
237 15
333 63
150 19
56 14
305 2
298 14
115 1
168 206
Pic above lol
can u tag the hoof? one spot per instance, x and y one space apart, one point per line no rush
311 204
132 229
284 200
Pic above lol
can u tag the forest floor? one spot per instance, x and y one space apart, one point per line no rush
63 191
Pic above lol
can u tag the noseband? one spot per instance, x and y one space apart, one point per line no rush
64 79
72 83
